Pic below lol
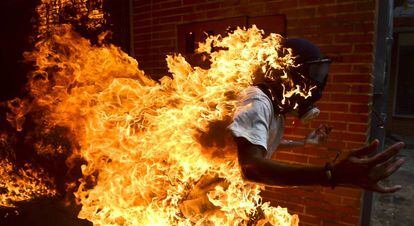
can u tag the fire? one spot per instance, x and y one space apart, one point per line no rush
151 155
22 184
89 13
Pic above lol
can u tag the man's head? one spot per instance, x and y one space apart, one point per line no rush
311 71
313 67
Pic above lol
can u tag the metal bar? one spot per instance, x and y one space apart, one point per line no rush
131 29
382 63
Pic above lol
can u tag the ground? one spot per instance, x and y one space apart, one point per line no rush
397 209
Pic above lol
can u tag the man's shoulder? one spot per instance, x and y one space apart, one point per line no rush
254 99
254 92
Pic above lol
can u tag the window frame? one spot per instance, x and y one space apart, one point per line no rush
401 31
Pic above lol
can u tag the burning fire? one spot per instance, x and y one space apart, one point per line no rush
150 151
22 184
88 13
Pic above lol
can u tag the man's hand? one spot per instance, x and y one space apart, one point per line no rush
362 171
319 135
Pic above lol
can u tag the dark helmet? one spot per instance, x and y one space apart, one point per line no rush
312 64
312 70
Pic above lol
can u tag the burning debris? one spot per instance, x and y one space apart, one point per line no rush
86 13
144 160
22 184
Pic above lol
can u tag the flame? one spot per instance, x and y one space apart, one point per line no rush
146 162
88 13
156 153
22 184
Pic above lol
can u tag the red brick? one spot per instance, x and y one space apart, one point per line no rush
234 3
322 212
188 2
337 88
141 2
331 199
174 11
333 223
334 145
360 108
300 12
283 197
352 38
351 220
334 125
167 20
163 34
250 9
362 128
351 98
355 146
307 224
162 42
164 5
318 161
350 201
219 13
139 30
309 219
343 191
364 68
333 107
359 48
344 117
142 15
142 36
357 17
336 9
365 58
337 28
346 211
325 38
311 152
141 7
348 136
194 16
208 6
352 78
276 6
336 49
315 2
361 88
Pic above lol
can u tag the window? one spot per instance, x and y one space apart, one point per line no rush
404 85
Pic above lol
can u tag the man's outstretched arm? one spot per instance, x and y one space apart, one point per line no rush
317 137
354 169
256 168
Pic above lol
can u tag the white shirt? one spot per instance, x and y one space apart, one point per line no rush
256 121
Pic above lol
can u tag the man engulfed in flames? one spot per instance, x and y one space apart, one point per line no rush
159 153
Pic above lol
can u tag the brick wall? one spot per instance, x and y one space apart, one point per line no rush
343 29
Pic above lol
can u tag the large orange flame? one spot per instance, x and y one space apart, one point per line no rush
22 184
156 153
145 162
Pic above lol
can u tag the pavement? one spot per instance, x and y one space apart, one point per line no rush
397 209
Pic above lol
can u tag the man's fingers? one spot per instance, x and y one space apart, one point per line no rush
367 150
381 189
329 129
385 155
383 166
325 128
323 135
392 168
